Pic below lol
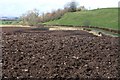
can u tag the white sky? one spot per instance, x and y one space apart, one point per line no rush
18 7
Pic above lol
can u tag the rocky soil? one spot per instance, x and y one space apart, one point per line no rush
59 54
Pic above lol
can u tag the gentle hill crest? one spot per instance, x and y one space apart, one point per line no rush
103 18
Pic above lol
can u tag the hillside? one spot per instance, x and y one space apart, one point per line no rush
105 18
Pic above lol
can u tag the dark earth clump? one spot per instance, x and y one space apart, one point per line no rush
59 54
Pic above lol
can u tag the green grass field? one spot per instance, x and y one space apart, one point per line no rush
0 22
8 22
104 18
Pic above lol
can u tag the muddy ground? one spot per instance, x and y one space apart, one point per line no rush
59 54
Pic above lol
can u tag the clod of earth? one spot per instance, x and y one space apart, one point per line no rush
51 54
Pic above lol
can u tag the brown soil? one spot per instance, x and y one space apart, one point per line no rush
59 54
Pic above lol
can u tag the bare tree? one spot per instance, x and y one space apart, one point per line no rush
56 14
81 8
71 6
31 17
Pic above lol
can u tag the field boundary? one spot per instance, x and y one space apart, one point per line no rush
106 29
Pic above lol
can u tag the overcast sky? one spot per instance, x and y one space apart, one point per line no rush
18 7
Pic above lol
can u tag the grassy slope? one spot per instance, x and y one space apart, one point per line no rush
0 22
106 18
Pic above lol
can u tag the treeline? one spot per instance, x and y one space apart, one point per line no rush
33 18
53 15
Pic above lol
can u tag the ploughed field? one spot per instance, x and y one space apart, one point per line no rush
55 54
